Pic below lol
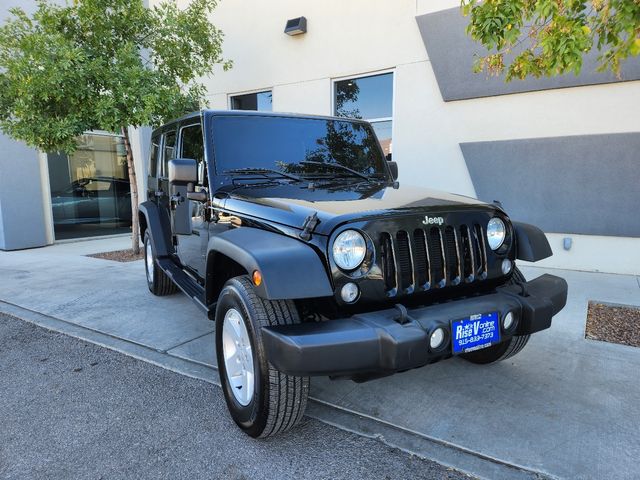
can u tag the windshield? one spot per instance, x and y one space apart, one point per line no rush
307 147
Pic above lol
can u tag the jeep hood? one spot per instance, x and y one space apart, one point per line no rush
291 204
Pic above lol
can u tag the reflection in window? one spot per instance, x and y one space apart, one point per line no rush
305 146
90 192
260 101
369 98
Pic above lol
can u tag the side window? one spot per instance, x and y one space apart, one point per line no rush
169 152
192 146
191 143
153 157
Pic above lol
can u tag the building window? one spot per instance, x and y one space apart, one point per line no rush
368 98
90 191
260 101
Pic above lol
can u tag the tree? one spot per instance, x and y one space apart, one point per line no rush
551 37
103 65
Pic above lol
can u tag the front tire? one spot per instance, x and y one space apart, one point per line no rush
503 350
158 282
262 400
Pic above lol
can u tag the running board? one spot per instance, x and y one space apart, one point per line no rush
185 282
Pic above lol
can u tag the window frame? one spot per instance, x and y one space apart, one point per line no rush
372 121
162 175
249 92
154 169
376 73
181 128
184 127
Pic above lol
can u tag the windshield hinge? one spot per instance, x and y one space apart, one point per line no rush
308 226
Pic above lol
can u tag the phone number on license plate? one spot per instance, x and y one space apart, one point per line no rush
475 332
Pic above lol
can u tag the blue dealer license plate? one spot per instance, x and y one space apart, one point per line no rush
475 332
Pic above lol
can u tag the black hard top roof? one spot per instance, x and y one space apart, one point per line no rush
248 113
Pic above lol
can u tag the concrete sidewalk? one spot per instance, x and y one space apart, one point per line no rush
565 407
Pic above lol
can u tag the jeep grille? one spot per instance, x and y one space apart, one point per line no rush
434 257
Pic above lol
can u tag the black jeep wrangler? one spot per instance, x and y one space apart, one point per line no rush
292 232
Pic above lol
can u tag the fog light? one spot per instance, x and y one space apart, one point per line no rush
508 320
506 266
437 338
349 292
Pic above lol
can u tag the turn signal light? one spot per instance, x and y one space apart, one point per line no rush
257 278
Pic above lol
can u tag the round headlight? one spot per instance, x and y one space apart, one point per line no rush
496 233
349 249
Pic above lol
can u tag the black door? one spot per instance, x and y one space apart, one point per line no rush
192 248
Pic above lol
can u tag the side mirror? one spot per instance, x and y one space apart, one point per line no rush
393 168
183 171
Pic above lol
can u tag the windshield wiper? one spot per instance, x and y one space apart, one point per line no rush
338 167
264 172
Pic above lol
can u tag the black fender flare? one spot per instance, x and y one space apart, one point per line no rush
531 243
158 222
290 268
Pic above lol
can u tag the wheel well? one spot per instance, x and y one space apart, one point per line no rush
220 268
142 221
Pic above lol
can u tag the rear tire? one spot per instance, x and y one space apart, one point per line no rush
158 282
266 401
503 350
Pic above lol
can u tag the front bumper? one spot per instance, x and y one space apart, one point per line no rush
376 343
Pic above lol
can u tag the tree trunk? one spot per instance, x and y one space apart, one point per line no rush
135 226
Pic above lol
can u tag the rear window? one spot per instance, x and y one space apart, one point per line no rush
169 152
153 156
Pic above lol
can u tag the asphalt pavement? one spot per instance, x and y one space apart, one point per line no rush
71 409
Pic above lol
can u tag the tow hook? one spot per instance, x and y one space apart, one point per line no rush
403 316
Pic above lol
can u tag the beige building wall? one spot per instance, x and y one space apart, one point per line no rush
357 37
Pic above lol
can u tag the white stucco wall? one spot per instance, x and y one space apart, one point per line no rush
23 214
366 36
140 139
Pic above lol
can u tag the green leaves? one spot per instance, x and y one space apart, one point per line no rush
550 37
101 65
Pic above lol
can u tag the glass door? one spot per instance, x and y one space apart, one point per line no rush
90 191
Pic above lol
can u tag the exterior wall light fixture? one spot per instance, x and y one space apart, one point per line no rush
296 26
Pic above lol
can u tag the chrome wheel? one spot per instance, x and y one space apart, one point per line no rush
238 357
148 258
